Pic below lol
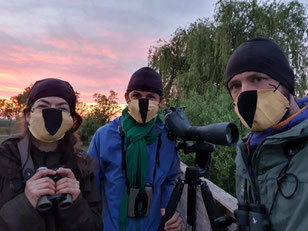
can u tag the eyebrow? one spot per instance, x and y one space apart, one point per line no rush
47 102
232 81
250 76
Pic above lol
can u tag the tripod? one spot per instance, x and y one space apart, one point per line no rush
192 179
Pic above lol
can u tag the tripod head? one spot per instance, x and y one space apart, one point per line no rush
204 139
203 152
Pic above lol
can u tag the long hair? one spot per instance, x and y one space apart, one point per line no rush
69 146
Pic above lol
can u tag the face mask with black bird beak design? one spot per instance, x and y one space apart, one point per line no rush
143 110
261 109
50 124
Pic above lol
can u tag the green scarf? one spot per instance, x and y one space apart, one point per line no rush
137 137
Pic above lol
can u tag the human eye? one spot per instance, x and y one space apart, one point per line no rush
42 106
234 86
135 96
63 109
151 97
258 79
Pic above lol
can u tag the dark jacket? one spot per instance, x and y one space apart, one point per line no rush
18 214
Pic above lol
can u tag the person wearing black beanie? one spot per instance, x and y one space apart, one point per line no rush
46 181
261 55
271 160
136 157
146 79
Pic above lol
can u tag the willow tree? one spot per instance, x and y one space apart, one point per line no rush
196 57
192 63
286 23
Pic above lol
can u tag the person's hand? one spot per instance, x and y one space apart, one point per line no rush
38 186
174 223
68 184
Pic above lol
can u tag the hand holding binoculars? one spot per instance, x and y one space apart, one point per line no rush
46 202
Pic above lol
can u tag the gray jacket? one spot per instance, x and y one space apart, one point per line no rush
277 177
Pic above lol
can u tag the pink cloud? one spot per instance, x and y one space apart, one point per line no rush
91 65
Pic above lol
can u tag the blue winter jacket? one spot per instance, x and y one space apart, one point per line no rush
106 148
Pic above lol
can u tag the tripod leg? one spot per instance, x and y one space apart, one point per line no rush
209 205
191 205
172 204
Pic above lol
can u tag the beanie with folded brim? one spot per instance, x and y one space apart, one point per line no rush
53 87
261 55
58 88
145 79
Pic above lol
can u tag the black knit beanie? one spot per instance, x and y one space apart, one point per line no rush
261 55
53 87
145 79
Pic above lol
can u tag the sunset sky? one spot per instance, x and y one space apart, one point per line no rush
94 44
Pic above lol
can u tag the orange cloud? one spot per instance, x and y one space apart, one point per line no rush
91 65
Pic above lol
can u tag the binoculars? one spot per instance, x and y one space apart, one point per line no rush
139 197
251 217
46 202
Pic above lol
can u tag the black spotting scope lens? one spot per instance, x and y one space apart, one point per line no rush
219 133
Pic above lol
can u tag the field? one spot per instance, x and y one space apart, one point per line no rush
2 138
4 128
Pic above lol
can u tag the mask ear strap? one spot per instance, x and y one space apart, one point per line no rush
276 87
231 105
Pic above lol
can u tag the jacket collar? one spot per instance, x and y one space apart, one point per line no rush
291 129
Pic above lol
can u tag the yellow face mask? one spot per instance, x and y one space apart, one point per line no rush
50 124
143 110
261 109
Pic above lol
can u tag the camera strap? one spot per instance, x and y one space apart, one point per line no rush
293 149
26 160
124 167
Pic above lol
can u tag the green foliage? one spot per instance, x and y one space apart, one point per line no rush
188 159
193 62
106 108
199 54
88 128
102 112
213 106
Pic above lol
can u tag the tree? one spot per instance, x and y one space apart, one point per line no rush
81 108
8 110
196 58
286 23
169 59
88 128
105 109
192 63
20 100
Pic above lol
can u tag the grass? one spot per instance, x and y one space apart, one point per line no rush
3 138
